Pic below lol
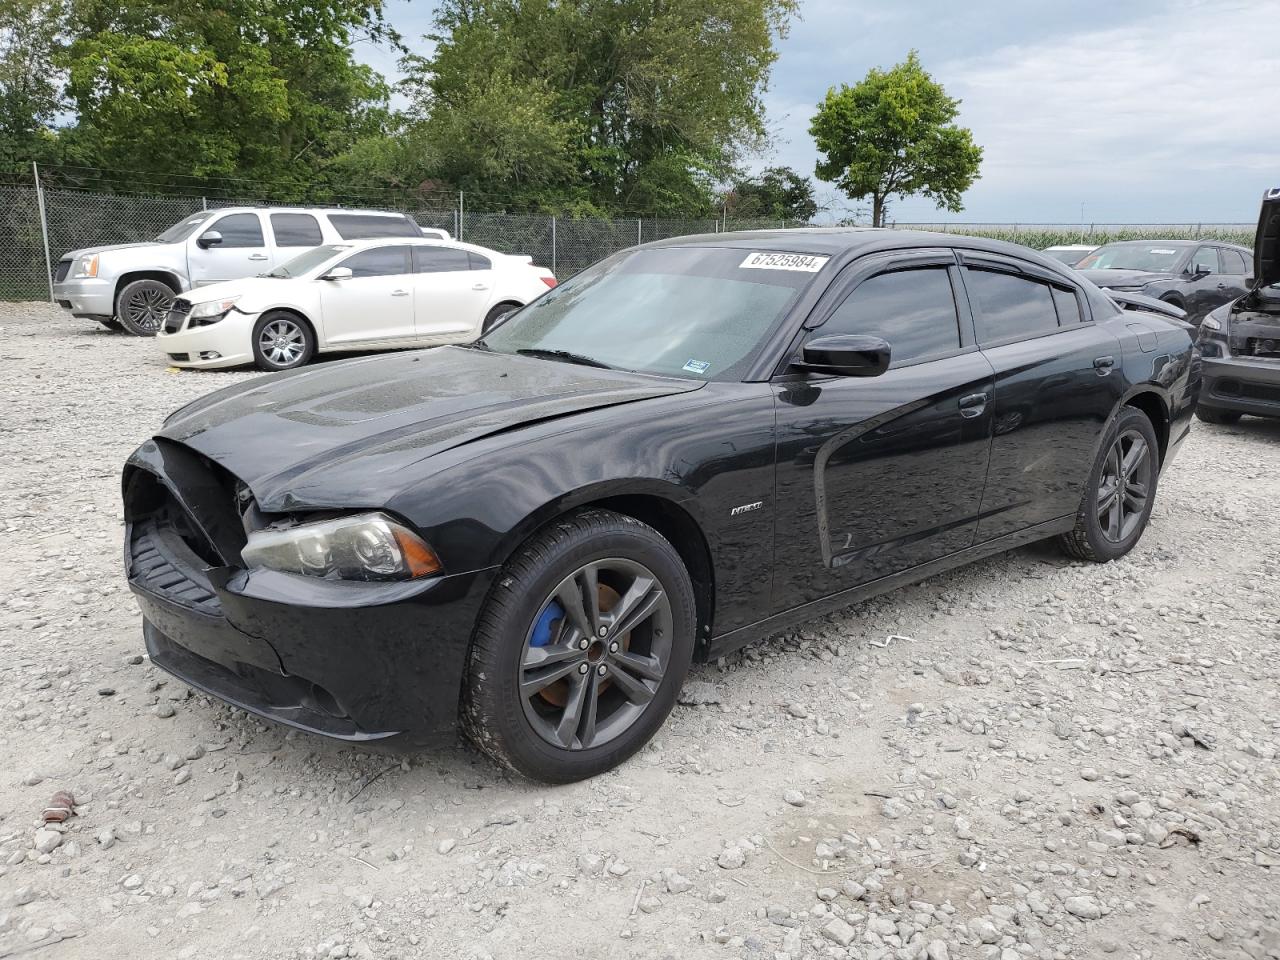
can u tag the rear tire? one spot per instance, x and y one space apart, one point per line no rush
142 305
282 341
615 667
1120 493
1219 417
496 315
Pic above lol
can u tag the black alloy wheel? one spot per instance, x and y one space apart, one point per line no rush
580 649
596 654
143 305
1121 490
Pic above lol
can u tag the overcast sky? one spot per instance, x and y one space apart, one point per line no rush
1143 111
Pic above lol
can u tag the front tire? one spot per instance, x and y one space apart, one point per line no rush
497 315
282 341
142 305
584 642
1219 417
1121 491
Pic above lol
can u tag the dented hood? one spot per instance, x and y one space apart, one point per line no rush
343 434
1266 244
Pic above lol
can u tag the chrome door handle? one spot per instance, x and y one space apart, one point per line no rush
257 256
973 405
1104 365
399 293
480 286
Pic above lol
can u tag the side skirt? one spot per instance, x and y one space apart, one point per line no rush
736 639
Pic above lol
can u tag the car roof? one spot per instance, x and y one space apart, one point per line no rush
1177 243
327 211
364 243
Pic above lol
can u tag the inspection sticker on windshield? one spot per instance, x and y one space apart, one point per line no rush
783 261
696 366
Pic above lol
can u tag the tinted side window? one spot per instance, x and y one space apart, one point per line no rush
1233 263
1206 257
440 260
914 310
239 230
296 230
1006 306
1068 306
478 262
378 262
362 226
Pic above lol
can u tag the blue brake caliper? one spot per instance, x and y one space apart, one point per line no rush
542 629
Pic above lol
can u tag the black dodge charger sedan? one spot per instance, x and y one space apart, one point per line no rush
692 444
1194 275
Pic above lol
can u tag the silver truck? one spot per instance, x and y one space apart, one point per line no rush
131 285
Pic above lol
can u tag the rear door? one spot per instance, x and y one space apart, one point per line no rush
450 297
1237 268
375 303
242 251
1057 380
877 474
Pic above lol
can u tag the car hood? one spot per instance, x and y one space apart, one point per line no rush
342 434
1266 243
107 248
256 287
1124 278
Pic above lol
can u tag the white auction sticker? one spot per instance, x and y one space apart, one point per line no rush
784 261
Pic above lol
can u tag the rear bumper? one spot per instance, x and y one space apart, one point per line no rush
88 297
1241 385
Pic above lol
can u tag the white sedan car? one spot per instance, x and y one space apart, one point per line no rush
363 295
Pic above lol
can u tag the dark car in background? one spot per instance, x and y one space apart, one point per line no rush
1239 343
1194 275
690 445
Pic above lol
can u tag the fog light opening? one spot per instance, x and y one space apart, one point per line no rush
210 355
1229 388
325 702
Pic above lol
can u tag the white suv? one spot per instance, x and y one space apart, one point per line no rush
133 284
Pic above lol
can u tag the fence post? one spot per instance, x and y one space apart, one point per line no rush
44 228
204 203
639 232
461 214
553 243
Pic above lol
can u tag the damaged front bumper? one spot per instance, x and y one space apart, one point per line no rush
1241 385
355 661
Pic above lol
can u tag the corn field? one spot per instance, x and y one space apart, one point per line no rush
1039 236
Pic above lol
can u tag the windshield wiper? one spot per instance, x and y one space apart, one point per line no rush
564 355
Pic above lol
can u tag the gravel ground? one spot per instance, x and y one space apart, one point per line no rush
1025 758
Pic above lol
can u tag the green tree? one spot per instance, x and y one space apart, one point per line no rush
605 104
240 88
892 135
778 193
30 88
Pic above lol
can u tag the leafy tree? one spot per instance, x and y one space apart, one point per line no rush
778 193
240 88
30 88
607 104
892 135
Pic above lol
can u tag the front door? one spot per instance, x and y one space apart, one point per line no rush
878 474
375 303
241 252
450 298
1058 376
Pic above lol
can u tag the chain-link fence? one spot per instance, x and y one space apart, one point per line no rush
40 224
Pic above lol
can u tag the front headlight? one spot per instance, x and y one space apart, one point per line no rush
214 310
370 546
85 267
1211 323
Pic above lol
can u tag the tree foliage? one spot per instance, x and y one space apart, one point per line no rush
30 88
617 104
778 193
892 134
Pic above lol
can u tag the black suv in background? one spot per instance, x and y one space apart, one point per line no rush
1195 275
1240 342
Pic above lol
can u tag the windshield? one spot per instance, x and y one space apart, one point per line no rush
693 312
1153 257
304 262
1069 257
184 228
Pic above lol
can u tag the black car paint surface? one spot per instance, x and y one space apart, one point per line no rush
788 493
1196 293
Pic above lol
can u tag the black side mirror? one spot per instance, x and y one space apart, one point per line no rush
846 356
210 238
1200 270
